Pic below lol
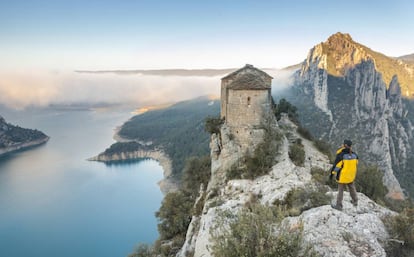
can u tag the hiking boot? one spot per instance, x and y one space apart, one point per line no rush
337 207
354 203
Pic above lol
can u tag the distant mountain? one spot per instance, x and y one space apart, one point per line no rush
13 138
170 72
346 90
407 58
340 53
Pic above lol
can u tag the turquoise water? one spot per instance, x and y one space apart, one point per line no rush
55 203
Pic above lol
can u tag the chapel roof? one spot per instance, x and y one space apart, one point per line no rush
248 77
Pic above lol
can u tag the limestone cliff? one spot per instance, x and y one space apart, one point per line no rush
323 227
354 92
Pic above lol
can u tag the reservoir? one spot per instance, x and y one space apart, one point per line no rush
53 202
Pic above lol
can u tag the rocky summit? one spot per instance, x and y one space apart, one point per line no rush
355 231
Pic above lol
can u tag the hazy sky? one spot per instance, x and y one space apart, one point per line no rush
141 34
43 42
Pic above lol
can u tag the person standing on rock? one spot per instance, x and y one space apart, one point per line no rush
345 169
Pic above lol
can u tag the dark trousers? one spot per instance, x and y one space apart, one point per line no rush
352 191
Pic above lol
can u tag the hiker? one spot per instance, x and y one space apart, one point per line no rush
345 169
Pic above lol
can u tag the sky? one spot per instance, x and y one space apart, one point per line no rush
43 42
155 34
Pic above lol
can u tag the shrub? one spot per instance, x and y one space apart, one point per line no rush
143 250
369 182
262 159
252 232
324 148
212 125
322 177
304 133
297 154
299 200
401 230
174 215
197 171
285 107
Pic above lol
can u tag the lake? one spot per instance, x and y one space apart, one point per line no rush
53 202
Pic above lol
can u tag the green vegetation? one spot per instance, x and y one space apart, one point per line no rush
304 133
143 250
16 134
252 232
123 147
174 216
197 171
322 177
369 182
401 230
177 209
324 148
297 153
178 130
213 124
262 159
285 107
299 200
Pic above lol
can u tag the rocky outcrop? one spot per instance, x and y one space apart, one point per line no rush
340 85
352 232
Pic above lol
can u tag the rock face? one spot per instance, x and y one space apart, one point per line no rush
352 232
14 138
341 87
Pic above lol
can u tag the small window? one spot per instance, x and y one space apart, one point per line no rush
248 101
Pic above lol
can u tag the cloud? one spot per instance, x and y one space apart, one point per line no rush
20 90
282 80
23 89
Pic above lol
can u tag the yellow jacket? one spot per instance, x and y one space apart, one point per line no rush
346 168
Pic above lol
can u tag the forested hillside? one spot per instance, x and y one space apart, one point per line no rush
178 130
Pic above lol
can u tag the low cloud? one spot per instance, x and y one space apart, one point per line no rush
282 80
20 90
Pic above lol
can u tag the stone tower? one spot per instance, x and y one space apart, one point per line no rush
245 97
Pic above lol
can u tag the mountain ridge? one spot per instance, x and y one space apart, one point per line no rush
169 72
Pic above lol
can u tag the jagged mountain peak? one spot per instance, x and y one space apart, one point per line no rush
340 52
338 37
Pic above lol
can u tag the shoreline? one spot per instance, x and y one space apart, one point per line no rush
23 146
166 184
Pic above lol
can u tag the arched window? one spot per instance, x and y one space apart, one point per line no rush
248 101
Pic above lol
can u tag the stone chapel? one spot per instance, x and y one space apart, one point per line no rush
245 97
246 103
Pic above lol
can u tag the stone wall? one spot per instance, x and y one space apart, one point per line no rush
247 108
